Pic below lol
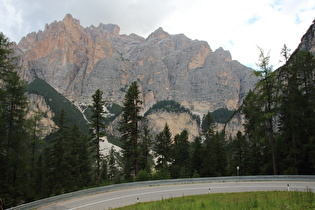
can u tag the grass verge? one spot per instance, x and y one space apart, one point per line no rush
245 200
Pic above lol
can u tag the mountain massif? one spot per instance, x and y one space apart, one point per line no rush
77 61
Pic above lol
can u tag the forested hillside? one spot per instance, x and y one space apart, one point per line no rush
280 117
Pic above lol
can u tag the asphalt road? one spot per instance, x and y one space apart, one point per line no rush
118 198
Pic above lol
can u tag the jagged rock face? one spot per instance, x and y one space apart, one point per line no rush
177 122
37 105
76 61
308 40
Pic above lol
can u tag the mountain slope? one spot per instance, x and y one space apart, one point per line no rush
57 102
76 61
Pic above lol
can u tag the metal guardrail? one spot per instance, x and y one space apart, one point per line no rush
80 193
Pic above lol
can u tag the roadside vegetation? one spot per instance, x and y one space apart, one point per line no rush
236 201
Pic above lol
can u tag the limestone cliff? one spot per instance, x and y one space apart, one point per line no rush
76 61
177 122
38 105
308 40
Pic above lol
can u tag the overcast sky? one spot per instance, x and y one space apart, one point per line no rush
236 25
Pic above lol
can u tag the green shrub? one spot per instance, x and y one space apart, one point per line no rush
143 175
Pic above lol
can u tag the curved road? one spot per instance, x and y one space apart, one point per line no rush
123 197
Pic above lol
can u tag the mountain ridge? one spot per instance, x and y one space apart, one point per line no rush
77 61
69 57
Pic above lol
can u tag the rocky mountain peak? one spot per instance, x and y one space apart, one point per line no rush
158 33
308 40
69 20
223 54
77 61
111 28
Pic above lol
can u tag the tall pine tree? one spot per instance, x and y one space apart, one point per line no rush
163 148
129 128
181 163
97 130
214 157
297 114
57 159
145 147
196 159
13 129
266 88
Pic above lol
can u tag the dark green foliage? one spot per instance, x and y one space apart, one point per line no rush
196 159
97 131
162 173
255 133
222 115
171 106
7 59
239 156
145 146
112 165
57 102
57 165
213 152
267 89
14 157
168 106
129 129
181 163
163 148
114 140
143 175
66 165
280 117
297 114
207 126
114 111
214 156
78 158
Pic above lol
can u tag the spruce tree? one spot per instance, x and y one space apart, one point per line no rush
112 165
239 152
181 162
196 160
208 154
78 159
255 132
145 146
84 160
129 128
97 130
56 158
297 114
163 148
213 154
36 143
13 128
266 87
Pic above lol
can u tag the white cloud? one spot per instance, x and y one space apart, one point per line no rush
237 26
240 26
